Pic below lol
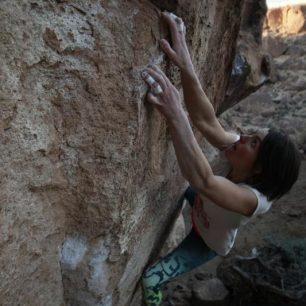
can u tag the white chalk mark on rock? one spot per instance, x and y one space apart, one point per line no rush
73 250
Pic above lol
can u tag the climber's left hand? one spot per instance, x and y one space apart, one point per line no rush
163 95
178 52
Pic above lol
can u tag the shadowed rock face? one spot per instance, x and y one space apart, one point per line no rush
252 67
89 179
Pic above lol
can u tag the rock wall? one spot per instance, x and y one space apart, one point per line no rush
252 66
89 180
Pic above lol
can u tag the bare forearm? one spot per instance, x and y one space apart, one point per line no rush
193 163
201 111
197 103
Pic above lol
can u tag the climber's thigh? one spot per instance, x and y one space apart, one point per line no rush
191 252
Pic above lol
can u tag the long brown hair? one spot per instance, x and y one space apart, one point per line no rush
280 161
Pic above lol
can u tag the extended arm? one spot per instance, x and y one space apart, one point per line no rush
200 109
193 163
202 113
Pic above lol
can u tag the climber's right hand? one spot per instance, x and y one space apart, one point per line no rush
163 95
178 52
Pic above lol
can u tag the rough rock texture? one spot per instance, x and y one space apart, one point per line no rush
212 29
89 179
286 20
210 293
282 103
252 66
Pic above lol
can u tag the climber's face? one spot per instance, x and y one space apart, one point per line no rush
243 154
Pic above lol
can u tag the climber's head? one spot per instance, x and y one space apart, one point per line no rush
268 160
243 154
279 161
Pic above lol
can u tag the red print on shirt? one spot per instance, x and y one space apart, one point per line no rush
199 208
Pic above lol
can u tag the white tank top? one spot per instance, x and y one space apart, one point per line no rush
218 226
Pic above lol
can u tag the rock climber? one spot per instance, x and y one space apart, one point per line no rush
252 171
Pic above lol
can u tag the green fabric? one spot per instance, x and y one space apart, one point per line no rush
152 297
189 254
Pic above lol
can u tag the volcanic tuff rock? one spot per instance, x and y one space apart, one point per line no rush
252 66
286 20
89 179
